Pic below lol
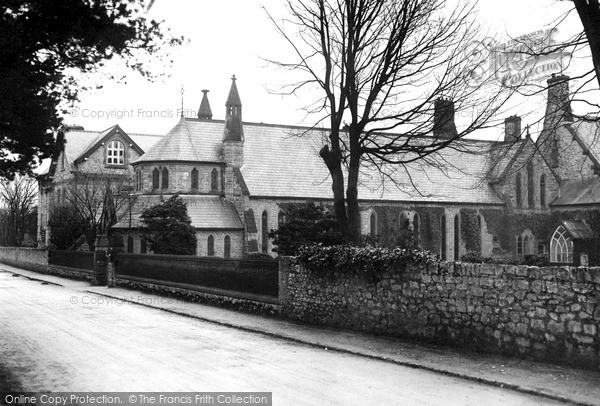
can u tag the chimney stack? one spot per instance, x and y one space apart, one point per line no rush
443 119
512 129
559 103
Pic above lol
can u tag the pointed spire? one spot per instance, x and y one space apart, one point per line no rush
233 115
205 113
234 97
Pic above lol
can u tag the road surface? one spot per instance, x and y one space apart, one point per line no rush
60 339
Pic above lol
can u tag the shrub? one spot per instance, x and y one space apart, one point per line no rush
370 261
536 260
305 224
474 258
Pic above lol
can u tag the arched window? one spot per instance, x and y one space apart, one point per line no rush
214 179
265 232
456 238
227 247
143 246
530 187
561 246
115 153
526 245
210 246
194 176
280 218
155 178
519 245
443 236
543 190
417 229
165 178
518 190
373 224
130 244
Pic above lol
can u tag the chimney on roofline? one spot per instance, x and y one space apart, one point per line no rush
512 128
559 103
443 119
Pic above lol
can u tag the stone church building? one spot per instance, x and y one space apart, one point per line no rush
513 196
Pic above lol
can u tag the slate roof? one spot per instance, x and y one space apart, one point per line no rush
579 192
587 133
281 161
190 140
206 212
578 229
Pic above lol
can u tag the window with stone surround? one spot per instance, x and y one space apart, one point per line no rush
280 218
543 190
155 178
417 229
194 176
227 247
264 231
214 180
210 246
443 237
165 178
561 246
518 190
115 153
456 238
373 224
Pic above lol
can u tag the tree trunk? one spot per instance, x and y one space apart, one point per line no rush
353 233
589 14
337 185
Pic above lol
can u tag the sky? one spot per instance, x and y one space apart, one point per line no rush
228 37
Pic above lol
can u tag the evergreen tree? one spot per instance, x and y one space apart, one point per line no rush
168 228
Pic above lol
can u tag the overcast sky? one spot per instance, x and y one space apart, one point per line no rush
229 37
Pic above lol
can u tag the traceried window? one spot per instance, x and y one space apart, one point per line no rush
194 176
543 190
165 178
561 246
115 153
227 247
210 246
155 178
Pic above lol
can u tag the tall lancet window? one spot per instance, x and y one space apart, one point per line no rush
214 180
194 179
165 178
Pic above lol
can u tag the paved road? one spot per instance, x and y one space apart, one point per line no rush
60 339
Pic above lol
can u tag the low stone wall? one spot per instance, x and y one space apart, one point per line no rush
27 258
73 273
232 300
550 313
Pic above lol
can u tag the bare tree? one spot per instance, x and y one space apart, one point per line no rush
19 198
380 65
99 198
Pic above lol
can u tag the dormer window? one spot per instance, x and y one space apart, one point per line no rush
115 153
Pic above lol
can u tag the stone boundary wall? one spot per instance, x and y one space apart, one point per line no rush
73 273
32 259
550 313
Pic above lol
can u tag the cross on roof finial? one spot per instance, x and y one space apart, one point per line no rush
233 77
